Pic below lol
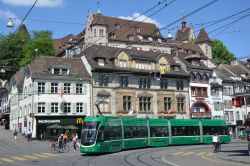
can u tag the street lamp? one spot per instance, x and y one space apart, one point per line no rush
10 23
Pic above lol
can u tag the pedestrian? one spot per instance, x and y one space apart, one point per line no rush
74 140
65 137
15 134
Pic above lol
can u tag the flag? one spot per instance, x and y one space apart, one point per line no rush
162 70
61 93
170 111
130 111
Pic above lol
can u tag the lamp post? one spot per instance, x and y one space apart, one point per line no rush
10 23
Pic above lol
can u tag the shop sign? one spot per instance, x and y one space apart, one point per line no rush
79 120
49 121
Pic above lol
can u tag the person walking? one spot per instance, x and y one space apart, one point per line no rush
15 134
74 140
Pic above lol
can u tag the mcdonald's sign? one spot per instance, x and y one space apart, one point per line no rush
79 120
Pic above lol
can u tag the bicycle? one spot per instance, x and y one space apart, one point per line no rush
55 148
217 147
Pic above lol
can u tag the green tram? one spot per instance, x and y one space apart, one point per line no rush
112 134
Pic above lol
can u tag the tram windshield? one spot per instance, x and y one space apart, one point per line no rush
89 132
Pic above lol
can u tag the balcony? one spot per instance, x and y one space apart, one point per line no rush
201 115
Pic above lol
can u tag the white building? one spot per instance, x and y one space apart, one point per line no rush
50 90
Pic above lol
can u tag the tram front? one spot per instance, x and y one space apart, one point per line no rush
88 137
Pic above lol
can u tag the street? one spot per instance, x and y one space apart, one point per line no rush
19 153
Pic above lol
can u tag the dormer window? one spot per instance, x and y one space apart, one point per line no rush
176 68
60 71
196 62
117 26
100 61
122 63
131 37
112 35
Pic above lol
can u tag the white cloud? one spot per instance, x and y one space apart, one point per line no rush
142 18
40 3
6 14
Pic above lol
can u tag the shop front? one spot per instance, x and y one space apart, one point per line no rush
50 127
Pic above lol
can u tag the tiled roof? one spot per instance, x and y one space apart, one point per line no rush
41 66
189 65
237 69
109 53
182 35
61 44
202 37
223 74
127 27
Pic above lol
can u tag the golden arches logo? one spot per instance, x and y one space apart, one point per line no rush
79 121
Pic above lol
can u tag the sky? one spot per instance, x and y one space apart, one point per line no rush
65 17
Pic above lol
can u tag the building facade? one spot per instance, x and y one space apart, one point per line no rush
46 92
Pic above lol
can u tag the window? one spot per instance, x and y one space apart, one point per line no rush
54 107
126 103
54 88
101 33
144 104
198 77
56 71
159 131
199 92
79 88
180 104
185 130
41 108
118 26
122 63
41 87
94 32
100 61
66 107
103 80
204 78
164 84
104 107
179 85
123 81
79 107
66 87
131 37
167 103
192 77
64 71
144 83
215 92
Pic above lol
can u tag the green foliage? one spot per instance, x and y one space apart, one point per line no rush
40 41
220 53
18 50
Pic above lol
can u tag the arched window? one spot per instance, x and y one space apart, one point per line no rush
192 77
204 78
198 77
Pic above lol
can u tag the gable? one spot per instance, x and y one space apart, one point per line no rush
123 56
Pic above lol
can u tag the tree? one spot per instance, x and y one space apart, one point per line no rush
18 50
220 53
11 47
41 43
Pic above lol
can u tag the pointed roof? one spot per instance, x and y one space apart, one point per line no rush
202 37
23 29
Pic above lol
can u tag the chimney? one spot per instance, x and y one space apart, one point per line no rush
169 37
183 24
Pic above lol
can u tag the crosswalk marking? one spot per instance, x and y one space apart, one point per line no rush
199 154
31 157
6 160
194 153
209 154
177 153
49 154
40 155
188 153
18 158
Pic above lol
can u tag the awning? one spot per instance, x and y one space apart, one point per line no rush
55 126
70 127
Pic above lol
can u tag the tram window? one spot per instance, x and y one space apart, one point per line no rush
109 133
135 132
210 130
159 131
185 131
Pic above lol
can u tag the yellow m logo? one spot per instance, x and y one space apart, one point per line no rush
79 121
